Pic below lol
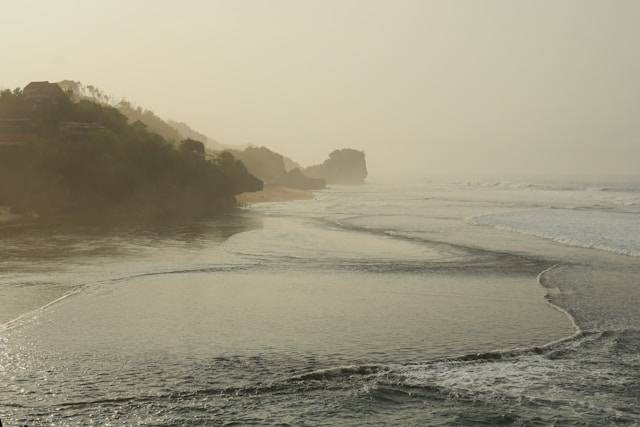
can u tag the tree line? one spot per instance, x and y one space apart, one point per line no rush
105 164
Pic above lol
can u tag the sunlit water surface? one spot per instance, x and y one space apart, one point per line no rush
368 305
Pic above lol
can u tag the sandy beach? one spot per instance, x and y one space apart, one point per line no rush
273 193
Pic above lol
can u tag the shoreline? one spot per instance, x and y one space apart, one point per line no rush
577 330
499 353
273 193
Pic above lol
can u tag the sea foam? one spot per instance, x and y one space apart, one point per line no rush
617 232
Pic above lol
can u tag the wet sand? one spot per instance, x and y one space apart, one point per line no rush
273 193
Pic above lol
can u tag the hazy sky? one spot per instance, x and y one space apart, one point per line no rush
476 86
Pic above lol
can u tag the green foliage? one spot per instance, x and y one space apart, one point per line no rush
150 119
12 104
187 132
171 130
110 165
192 147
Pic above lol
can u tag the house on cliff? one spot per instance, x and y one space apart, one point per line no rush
43 95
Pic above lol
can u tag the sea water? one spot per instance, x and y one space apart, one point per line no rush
444 301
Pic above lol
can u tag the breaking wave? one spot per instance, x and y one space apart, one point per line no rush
615 232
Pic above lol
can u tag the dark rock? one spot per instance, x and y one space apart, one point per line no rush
271 167
346 166
296 179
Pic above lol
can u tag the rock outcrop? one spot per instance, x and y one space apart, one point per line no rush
296 179
346 166
271 168
262 162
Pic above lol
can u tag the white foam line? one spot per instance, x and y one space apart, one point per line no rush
515 350
576 328
15 322
477 221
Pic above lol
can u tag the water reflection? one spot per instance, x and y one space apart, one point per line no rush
40 262
60 240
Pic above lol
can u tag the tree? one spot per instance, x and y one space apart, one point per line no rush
192 147
109 165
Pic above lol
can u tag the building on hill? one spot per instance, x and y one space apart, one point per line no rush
40 96
43 94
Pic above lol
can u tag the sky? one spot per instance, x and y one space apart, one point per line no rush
424 87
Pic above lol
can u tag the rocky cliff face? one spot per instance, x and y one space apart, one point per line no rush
271 168
346 166
296 179
262 162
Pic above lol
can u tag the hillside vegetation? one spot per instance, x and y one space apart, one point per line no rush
171 130
64 156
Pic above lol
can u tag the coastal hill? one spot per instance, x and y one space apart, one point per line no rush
346 166
74 151
64 155
171 130
271 168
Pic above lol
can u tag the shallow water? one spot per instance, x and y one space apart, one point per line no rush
369 305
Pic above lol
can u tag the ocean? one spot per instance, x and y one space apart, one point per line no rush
459 301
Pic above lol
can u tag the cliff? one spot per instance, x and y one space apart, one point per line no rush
171 130
64 156
296 179
346 166
272 168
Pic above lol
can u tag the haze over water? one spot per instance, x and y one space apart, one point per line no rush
353 308
486 272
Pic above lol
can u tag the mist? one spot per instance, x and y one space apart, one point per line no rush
421 86
320 212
